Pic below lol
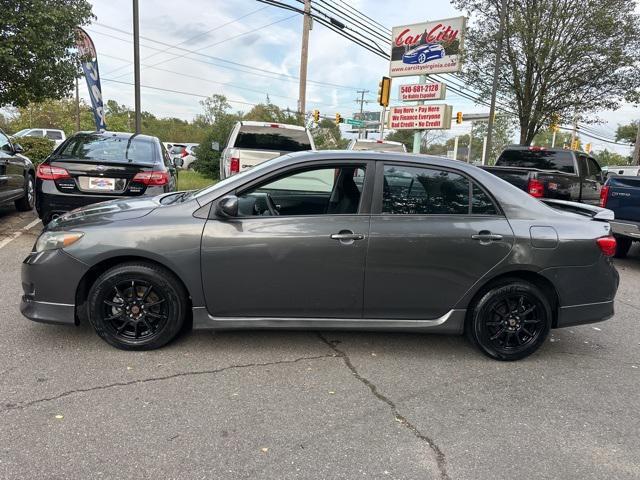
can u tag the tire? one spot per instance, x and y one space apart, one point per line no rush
503 326
623 244
26 203
422 58
137 306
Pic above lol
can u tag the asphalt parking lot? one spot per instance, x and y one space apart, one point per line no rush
308 405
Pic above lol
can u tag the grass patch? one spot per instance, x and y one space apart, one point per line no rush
191 180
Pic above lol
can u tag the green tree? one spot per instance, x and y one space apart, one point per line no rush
327 136
503 133
562 57
402 136
60 114
607 157
37 57
544 138
627 133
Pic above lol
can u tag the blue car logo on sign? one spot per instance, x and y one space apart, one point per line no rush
424 53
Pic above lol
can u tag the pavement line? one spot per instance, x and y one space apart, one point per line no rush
15 235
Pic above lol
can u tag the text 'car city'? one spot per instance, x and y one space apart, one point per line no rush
329 240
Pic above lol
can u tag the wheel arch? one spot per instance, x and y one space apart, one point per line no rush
88 279
530 276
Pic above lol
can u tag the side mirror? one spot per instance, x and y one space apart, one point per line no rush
17 148
227 207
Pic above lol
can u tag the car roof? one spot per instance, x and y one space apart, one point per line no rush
371 140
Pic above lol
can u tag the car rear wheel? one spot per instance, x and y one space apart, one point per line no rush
422 58
27 202
137 306
623 245
510 320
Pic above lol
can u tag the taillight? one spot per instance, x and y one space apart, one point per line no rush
47 172
155 177
604 196
607 245
234 165
535 188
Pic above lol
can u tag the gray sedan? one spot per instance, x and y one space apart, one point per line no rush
328 240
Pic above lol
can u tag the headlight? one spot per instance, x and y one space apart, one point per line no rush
54 240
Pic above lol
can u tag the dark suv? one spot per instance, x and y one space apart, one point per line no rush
16 175
92 167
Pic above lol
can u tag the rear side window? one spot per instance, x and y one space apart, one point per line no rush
35 133
272 138
103 148
542 159
54 135
424 191
481 203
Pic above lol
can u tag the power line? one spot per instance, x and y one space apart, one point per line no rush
190 39
175 56
282 76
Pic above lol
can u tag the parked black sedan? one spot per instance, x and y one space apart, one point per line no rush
16 175
92 167
329 240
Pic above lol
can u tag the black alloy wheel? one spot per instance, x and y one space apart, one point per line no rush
510 321
137 306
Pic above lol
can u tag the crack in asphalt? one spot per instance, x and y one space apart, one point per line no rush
24 405
439 455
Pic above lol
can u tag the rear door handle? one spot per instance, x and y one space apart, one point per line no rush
346 236
486 237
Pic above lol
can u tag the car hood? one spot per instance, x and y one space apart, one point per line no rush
106 212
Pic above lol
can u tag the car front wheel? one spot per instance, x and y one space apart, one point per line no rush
137 306
510 321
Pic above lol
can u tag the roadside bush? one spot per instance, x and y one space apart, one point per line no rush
36 149
208 160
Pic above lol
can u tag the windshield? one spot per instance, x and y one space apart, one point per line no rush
272 138
380 147
106 148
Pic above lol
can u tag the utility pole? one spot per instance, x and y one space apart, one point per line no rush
553 138
77 104
496 73
362 101
455 148
136 65
417 136
304 57
636 148
470 143
574 132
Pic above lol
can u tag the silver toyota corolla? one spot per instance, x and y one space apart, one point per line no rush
328 240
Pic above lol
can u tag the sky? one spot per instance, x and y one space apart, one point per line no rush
202 47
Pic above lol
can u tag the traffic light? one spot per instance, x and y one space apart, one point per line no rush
338 119
575 144
555 120
587 148
384 91
459 118
316 116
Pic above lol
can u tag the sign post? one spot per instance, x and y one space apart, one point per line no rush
417 136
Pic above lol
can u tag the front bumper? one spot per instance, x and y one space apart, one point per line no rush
49 281
625 228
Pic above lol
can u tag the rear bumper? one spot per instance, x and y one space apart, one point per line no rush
626 228
49 283
581 314
50 200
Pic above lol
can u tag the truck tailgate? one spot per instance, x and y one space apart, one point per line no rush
624 198
251 158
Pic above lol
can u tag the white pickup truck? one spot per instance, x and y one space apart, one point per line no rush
54 134
251 143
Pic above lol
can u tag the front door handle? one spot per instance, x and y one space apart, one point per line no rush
485 236
346 236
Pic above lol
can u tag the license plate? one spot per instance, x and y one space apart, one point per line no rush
553 186
102 184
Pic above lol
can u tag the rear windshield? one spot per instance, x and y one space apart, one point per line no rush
272 138
101 148
627 182
380 147
542 159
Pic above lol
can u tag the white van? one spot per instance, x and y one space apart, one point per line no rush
251 143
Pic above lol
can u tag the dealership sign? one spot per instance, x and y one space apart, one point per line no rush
427 48
421 117
422 91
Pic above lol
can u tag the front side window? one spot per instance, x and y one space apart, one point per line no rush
318 191
35 133
424 191
53 135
